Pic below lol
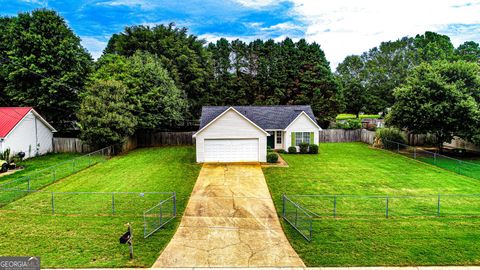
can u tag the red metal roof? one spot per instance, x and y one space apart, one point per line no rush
9 118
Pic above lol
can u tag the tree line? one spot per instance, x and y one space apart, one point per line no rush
422 84
154 77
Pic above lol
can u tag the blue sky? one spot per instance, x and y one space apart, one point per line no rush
341 27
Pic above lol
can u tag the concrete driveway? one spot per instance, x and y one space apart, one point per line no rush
230 221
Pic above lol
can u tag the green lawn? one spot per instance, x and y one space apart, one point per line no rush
35 164
85 233
361 235
467 167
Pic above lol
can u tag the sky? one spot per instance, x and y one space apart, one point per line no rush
341 27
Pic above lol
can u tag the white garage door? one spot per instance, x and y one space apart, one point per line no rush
231 150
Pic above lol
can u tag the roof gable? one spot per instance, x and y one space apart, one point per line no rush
223 113
308 117
10 117
266 117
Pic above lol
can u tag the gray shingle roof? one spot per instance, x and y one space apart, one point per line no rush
266 117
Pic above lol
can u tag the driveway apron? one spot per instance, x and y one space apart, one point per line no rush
230 221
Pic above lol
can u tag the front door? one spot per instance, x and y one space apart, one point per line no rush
271 140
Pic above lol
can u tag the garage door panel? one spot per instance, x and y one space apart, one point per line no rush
231 150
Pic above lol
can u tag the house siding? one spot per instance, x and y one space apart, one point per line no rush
231 125
24 137
301 124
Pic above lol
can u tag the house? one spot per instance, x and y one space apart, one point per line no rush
242 133
22 129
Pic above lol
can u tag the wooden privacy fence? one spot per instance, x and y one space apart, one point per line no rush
160 138
339 135
344 135
141 139
70 145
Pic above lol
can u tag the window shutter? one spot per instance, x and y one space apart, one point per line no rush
293 139
312 139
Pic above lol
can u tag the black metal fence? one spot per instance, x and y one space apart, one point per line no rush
301 210
463 167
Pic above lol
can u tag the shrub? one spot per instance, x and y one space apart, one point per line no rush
388 137
348 124
292 150
272 157
313 149
281 151
304 148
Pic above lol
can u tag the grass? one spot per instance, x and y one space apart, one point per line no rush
86 234
468 167
345 116
37 163
369 238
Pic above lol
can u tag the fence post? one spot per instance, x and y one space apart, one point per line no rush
144 226
398 148
53 204
296 215
335 206
438 206
283 206
160 215
54 175
459 162
73 166
174 203
310 230
434 158
414 152
386 208
113 203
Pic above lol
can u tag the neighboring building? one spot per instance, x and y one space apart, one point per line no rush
373 122
242 133
22 129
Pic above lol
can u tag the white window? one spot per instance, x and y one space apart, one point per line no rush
302 137
279 137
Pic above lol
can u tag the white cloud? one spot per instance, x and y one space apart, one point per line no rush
283 27
94 45
143 4
256 3
345 27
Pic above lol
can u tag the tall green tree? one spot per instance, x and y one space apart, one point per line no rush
442 98
156 100
469 51
388 65
183 55
43 65
275 73
350 74
106 115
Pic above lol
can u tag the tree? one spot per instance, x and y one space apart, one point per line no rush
183 55
469 51
350 73
388 65
441 99
156 100
319 88
105 114
43 65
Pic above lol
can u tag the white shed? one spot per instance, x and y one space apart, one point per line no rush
242 133
22 129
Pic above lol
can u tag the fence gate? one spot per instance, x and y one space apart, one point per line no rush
159 215
296 216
